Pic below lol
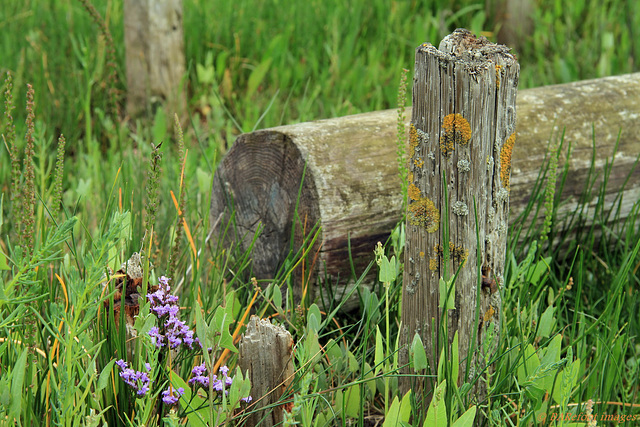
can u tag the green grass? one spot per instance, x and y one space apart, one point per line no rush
253 65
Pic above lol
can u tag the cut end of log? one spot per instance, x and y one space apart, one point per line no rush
257 186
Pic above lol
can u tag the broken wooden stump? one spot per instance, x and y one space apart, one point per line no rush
351 183
266 353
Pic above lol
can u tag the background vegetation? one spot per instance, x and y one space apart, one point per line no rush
254 64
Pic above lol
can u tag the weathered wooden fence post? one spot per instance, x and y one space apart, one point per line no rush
266 352
154 44
462 133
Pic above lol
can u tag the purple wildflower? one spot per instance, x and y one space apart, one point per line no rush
171 395
138 381
188 339
174 341
199 369
165 306
247 399
200 376
156 337
218 385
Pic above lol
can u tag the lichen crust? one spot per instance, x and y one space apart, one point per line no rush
457 131
505 160
423 213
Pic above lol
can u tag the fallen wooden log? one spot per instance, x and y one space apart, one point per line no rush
351 184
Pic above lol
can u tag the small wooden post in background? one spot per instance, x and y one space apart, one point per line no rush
462 133
154 45
266 352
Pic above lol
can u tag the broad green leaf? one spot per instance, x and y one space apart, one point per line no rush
437 412
370 381
535 392
240 387
405 408
313 322
5 391
257 76
17 381
547 322
466 419
570 377
3 262
333 352
447 288
388 269
551 356
353 363
349 401
379 351
352 395
538 270
418 354
454 360
312 346
277 297
314 317
219 326
528 365
103 379
391 418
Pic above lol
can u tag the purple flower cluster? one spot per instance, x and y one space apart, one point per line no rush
165 306
138 381
200 378
172 334
171 395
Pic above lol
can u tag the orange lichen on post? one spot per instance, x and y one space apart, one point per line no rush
456 131
414 192
505 160
413 140
433 264
418 162
423 212
489 314
498 69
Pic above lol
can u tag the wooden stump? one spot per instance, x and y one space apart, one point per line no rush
266 352
154 45
462 134
351 182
